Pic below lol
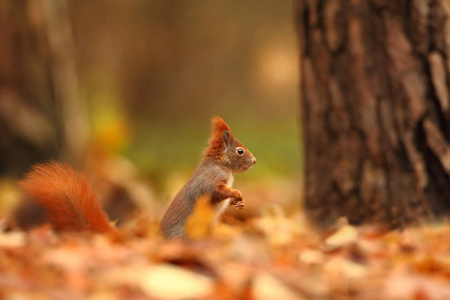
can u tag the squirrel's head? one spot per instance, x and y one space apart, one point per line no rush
225 147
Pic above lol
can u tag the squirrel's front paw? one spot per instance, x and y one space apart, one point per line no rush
238 203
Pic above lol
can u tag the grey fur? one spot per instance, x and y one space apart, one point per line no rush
213 178
202 183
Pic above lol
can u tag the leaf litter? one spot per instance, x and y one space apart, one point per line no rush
270 256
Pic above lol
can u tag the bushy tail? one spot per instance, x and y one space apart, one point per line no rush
67 198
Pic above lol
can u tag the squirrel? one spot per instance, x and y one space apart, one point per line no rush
213 178
71 204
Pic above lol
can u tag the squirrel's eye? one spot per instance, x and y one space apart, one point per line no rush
240 151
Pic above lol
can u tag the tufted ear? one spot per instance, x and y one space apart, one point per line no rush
226 136
221 133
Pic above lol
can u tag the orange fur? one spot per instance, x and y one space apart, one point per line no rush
216 144
67 198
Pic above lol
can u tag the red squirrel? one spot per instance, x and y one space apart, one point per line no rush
213 177
71 205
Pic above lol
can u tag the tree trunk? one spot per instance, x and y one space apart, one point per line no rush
40 113
375 109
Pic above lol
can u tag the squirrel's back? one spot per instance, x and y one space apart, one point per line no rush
200 184
66 197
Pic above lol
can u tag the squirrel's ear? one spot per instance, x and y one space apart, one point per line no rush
219 128
226 136
221 133
219 125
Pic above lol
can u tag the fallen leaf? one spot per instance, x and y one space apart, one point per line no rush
403 285
12 239
346 235
170 282
311 257
199 222
267 287
278 229
344 275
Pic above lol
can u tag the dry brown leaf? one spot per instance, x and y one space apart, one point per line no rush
312 257
170 282
71 259
249 249
345 236
235 274
244 261
225 232
279 229
12 239
267 287
404 285
344 275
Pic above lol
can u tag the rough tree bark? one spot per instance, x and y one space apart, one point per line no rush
375 107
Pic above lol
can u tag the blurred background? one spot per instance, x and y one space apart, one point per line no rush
137 82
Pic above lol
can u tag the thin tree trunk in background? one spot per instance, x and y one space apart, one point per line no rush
375 105
40 112
71 110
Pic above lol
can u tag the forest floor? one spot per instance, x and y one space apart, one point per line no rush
261 252
271 256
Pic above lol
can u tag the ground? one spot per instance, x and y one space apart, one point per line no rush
272 256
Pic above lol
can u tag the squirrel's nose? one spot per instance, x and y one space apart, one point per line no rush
254 160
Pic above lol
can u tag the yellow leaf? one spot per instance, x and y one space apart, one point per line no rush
199 223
